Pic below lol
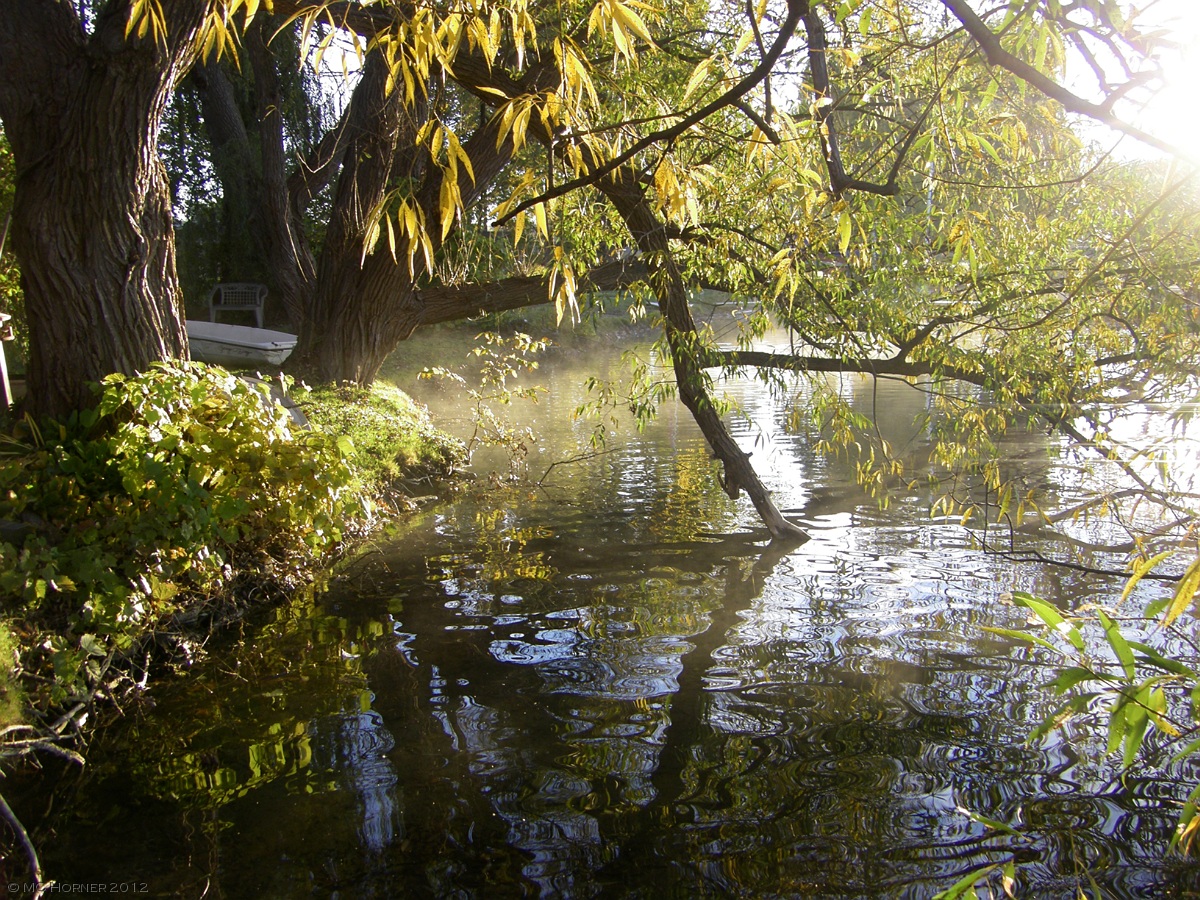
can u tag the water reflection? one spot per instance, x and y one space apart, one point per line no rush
610 686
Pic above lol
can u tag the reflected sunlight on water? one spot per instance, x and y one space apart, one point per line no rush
605 686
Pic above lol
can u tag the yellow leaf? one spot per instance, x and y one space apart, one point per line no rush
518 229
622 42
698 76
135 16
458 153
1185 592
391 236
506 120
520 125
371 239
1140 568
495 27
427 249
539 214
743 41
631 21
596 20
410 92
447 204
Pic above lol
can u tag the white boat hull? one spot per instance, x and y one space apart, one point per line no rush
238 346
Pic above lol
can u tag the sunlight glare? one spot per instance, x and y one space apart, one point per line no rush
1174 112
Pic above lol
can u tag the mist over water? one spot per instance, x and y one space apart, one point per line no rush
609 684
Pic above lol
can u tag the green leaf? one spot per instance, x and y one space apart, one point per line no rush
1051 616
1009 879
994 824
1154 607
1024 636
1150 656
1120 646
90 645
965 886
1187 751
844 229
698 76
864 22
1136 718
1072 677
991 151
1067 711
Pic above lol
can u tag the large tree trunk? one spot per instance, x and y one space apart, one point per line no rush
233 158
92 223
363 308
346 333
282 237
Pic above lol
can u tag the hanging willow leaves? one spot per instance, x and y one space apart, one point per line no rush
1051 617
1185 593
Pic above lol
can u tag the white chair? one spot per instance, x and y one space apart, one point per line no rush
238 296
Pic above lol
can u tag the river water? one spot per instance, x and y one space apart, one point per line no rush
608 684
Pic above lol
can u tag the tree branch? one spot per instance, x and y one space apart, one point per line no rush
796 9
448 303
998 56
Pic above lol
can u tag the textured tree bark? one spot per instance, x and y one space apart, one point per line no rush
282 238
352 324
92 219
363 308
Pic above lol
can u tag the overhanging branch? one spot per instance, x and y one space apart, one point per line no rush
796 9
998 56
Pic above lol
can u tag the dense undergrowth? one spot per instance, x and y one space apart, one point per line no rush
185 495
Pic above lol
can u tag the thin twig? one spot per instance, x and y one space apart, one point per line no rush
583 457
27 845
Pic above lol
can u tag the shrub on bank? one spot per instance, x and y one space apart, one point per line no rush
179 485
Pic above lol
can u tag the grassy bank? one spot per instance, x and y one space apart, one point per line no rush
184 497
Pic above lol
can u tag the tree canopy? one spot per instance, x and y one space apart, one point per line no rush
898 184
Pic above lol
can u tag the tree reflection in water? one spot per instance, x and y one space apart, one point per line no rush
606 688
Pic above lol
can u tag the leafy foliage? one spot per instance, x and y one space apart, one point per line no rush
10 275
499 360
177 480
1130 677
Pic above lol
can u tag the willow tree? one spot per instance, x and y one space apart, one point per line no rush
80 98
818 157
847 116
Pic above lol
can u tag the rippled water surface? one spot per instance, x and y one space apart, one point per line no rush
610 685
